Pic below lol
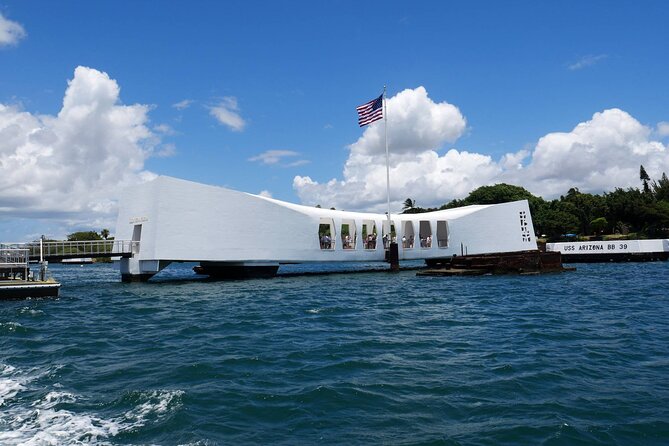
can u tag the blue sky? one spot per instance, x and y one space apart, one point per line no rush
261 96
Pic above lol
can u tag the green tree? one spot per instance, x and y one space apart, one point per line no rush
454 203
499 193
625 207
644 212
408 205
655 219
104 234
586 207
599 225
661 188
643 176
83 236
555 219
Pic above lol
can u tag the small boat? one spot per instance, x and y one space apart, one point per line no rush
16 279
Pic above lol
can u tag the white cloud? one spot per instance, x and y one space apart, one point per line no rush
273 156
587 61
10 32
227 113
597 155
265 193
164 129
164 151
277 156
662 129
73 165
182 105
417 126
415 123
298 163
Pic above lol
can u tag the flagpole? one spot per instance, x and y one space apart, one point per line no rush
393 251
385 126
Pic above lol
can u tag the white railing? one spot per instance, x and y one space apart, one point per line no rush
13 257
75 249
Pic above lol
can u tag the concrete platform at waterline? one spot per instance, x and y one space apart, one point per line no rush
523 263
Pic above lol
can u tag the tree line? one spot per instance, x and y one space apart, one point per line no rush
89 235
633 212
81 236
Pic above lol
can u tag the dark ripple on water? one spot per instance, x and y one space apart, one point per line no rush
579 358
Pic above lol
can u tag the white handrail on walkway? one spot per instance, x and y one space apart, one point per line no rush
86 248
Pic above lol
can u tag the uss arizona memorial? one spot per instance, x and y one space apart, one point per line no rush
237 234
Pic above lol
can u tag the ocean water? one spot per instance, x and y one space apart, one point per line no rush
371 358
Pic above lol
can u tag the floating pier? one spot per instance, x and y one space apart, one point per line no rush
17 281
22 289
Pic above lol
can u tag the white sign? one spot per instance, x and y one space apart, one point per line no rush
135 220
603 247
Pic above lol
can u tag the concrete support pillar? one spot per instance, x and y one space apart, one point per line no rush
394 257
134 270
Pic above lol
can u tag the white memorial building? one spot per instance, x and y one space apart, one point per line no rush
236 234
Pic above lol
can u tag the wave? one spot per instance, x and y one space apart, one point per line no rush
33 416
8 387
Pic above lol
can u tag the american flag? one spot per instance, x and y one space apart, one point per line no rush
370 112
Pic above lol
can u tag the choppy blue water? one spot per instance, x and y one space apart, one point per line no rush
574 358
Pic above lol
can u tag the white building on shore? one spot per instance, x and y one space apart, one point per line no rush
235 233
